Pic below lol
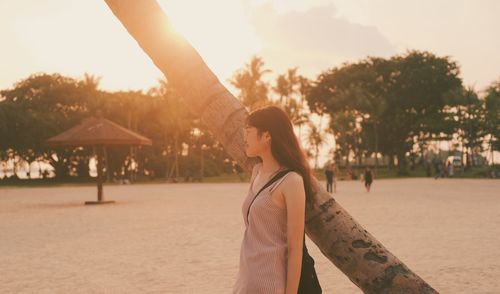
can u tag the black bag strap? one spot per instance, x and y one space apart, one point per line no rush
278 176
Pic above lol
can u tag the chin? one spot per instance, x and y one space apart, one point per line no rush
249 153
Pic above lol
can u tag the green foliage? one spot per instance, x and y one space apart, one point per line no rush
391 104
394 107
492 115
44 105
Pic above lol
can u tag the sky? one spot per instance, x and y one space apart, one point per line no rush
73 37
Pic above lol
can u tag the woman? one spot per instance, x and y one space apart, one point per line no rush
272 248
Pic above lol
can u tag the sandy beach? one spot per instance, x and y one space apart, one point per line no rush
185 238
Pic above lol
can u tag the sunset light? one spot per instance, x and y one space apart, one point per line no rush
249 146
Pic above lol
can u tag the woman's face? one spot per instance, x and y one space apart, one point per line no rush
254 145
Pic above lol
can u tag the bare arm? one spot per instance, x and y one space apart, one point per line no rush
295 198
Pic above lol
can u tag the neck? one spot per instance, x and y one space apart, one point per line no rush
269 163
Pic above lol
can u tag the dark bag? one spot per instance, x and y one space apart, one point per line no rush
309 283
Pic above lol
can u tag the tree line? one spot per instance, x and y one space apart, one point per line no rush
396 107
377 108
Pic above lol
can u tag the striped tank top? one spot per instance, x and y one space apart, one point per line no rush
263 255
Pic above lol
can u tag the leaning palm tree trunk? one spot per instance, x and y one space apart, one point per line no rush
340 238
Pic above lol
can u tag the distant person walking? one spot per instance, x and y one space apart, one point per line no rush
368 176
329 177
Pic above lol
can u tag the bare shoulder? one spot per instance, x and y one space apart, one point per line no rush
294 176
292 189
293 181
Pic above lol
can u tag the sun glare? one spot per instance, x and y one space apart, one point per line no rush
218 29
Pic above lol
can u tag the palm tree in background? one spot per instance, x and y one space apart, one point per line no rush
315 140
176 121
291 89
253 89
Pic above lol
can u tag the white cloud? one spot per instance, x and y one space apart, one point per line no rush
314 39
465 30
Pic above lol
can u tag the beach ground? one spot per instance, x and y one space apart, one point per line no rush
185 238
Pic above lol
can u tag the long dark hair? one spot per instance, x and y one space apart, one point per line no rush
285 147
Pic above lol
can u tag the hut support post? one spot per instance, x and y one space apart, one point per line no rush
100 158
99 172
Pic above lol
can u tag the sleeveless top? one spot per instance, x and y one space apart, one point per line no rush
264 249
